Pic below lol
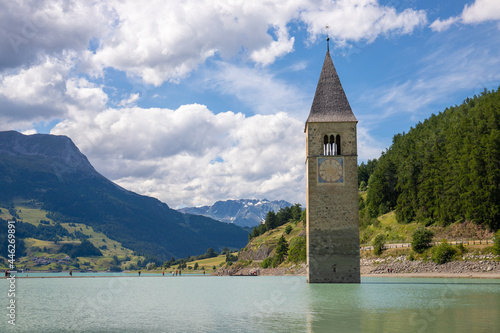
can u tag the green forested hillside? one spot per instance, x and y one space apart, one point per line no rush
444 170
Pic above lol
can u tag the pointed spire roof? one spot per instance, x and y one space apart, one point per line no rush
330 103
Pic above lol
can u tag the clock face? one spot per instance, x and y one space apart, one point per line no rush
330 170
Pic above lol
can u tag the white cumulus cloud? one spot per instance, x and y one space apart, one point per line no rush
443 25
478 12
191 156
481 10
44 92
165 41
282 46
31 28
357 20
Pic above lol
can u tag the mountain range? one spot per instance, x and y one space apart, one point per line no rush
51 171
243 212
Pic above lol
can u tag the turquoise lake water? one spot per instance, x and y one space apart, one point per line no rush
152 303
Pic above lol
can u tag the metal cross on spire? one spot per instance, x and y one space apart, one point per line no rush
327 38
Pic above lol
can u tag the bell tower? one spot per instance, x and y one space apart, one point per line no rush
332 184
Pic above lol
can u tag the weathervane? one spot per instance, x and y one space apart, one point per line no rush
327 38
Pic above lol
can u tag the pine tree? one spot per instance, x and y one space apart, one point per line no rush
281 249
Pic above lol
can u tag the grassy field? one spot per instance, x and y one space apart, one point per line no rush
207 264
31 214
4 214
210 262
393 231
271 237
402 233
43 244
99 240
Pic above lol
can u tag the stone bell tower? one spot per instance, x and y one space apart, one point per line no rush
332 184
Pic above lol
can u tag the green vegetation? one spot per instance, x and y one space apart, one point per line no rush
421 240
42 242
443 170
210 253
231 257
208 265
439 180
298 251
274 220
281 250
205 262
84 249
39 236
378 244
365 170
443 253
496 244
285 243
388 225
286 249
267 262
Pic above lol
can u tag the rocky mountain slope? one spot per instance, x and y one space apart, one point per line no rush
244 212
51 171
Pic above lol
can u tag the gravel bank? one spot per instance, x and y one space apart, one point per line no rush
472 265
469 266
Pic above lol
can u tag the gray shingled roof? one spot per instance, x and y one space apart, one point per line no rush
330 103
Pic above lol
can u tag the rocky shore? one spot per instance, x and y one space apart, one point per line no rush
400 265
469 266
235 270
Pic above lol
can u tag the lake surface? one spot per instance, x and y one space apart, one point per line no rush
152 303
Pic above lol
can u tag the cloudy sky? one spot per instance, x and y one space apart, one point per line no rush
194 101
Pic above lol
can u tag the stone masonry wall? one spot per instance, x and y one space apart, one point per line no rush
332 219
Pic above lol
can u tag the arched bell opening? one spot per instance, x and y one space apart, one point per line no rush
331 145
338 145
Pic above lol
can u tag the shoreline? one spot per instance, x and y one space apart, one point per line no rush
442 275
484 267
296 271
486 276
